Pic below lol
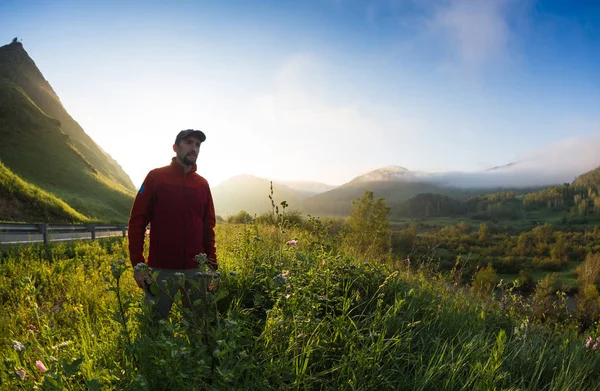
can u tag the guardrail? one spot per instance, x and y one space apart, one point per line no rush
47 230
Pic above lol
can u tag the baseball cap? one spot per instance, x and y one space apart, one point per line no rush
184 133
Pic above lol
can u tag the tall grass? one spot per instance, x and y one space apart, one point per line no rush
303 317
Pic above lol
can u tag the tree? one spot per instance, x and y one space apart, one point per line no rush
483 232
522 244
367 230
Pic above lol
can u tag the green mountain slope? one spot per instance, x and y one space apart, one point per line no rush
16 66
37 147
21 201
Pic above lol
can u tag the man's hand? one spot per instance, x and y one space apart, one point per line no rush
140 278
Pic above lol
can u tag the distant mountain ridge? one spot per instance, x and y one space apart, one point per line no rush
396 184
47 150
390 173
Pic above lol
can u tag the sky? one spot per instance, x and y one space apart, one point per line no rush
324 90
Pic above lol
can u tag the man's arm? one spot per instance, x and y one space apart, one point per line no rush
141 214
208 231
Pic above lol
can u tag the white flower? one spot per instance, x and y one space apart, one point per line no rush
18 346
179 278
62 345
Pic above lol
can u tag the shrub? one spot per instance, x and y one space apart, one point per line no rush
242 217
484 281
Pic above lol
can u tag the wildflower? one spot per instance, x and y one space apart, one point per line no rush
232 273
595 346
40 365
286 273
201 258
140 267
18 346
21 374
62 345
598 339
180 278
292 243
588 342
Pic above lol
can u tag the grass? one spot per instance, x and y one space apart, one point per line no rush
292 317
22 201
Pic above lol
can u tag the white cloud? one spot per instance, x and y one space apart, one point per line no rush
476 31
557 163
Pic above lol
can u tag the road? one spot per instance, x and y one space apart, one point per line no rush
19 238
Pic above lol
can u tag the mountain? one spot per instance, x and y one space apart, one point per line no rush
505 166
397 184
251 193
49 152
391 173
307 188
394 183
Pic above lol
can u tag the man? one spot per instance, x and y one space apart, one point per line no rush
178 204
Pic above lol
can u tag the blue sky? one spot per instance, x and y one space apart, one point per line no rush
324 90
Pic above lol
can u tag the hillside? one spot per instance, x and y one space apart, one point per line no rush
23 202
250 193
398 185
45 147
590 179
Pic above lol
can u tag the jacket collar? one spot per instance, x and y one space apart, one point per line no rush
175 165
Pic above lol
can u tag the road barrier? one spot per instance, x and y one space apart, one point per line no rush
23 233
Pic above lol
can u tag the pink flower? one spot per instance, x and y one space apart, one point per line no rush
41 366
595 346
292 243
286 273
588 342
598 339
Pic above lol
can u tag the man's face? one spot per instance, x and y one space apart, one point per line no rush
187 150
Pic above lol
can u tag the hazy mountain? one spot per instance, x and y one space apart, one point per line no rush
397 184
251 193
504 166
394 183
44 147
308 188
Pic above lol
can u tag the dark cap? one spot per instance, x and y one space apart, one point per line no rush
184 133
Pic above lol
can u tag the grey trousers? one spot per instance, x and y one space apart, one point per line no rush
168 284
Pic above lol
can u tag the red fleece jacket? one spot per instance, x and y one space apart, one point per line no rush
180 210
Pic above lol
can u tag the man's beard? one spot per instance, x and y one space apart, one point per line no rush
185 160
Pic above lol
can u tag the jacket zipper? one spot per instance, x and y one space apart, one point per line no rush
183 219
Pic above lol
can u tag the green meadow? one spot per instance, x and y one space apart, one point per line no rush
332 312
